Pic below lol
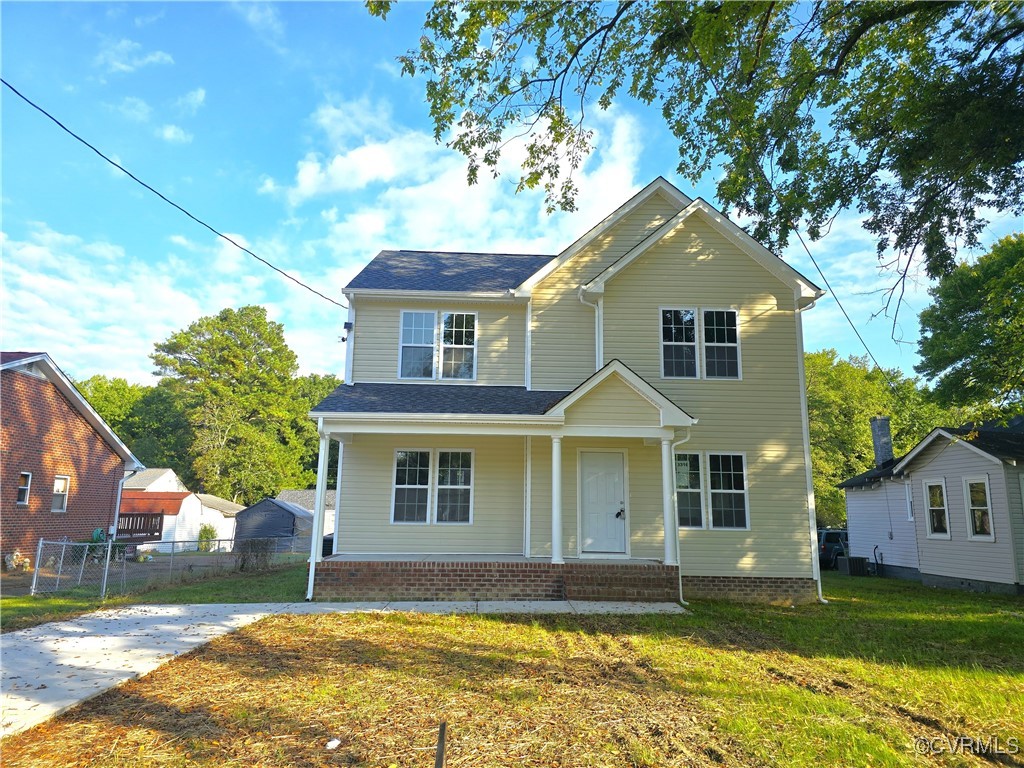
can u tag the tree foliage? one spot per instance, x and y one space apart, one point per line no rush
113 399
237 379
842 396
913 112
972 337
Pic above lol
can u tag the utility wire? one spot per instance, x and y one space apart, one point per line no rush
778 199
165 198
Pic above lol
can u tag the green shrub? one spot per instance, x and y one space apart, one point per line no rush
207 533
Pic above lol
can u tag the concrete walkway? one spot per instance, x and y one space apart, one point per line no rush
48 669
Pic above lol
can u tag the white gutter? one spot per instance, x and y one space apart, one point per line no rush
679 561
598 308
811 521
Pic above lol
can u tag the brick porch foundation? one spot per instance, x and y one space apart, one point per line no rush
411 580
634 582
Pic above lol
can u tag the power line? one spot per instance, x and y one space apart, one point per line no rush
165 198
778 199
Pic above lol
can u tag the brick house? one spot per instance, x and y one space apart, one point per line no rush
61 466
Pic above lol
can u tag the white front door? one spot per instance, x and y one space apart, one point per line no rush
603 502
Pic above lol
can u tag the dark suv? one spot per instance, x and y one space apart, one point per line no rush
833 543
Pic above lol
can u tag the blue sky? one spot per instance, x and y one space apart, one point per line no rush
289 127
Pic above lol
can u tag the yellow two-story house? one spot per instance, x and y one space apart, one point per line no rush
623 420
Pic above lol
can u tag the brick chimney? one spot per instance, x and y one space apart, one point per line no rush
881 439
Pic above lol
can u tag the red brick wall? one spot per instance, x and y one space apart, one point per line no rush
751 589
41 433
407 580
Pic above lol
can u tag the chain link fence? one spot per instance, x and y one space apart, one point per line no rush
117 568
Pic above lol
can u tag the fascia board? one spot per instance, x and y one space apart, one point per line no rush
659 185
462 418
397 295
931 438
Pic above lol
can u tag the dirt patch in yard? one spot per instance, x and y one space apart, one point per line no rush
542 691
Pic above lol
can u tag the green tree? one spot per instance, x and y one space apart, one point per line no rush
842 396
236 376
113 399
159 431
910 111
972 336
311 390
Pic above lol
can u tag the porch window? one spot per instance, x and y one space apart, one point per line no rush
728 490
24 486
458 346
979 513
417 354
61 486
412 487
689 497
454 487
679 343
721 344
938 517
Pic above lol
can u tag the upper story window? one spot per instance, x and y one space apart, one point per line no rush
24 486
716 356
61 487
429 352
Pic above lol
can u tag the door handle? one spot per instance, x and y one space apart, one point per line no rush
621 512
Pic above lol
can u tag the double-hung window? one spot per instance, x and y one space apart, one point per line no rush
728 490
700 343
938 515
429 352
979 509
689 499
24 486
434 486
61 488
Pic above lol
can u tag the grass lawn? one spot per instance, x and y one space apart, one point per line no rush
286 585
853 683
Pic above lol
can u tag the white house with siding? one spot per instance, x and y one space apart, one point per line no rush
624 419
963 492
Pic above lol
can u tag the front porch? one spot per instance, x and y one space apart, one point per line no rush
489 577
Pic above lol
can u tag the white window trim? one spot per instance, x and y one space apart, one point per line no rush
436 460
402 344
662 343
908 489
27 488
704 345
441 346
746 490
971 535
433 485
928 509
395 486
67 494
704 498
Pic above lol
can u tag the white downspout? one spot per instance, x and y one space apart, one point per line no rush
598 308
811 522
117 503
679 561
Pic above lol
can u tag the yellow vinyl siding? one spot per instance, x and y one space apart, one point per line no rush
613 402
501 339
562 327
758 415
368 478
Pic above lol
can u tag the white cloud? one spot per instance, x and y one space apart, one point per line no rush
190 103
145 21
135 109
264 19
174 134
126 56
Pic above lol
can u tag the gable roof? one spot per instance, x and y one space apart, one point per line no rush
808 291
40 361
449 271
152 503
876 474
660 186
225 507
436 399
993 441
294 509
671 414
147 477
305 498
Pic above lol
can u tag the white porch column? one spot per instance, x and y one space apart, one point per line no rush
316 544
668 505
556 500
337 500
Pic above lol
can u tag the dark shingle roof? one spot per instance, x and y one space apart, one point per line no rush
10 357
873 475
438 398
305 498
1004 441
447 271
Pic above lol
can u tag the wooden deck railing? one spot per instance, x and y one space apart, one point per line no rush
140 527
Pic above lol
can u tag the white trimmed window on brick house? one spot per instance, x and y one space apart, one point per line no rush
61 489
24 487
